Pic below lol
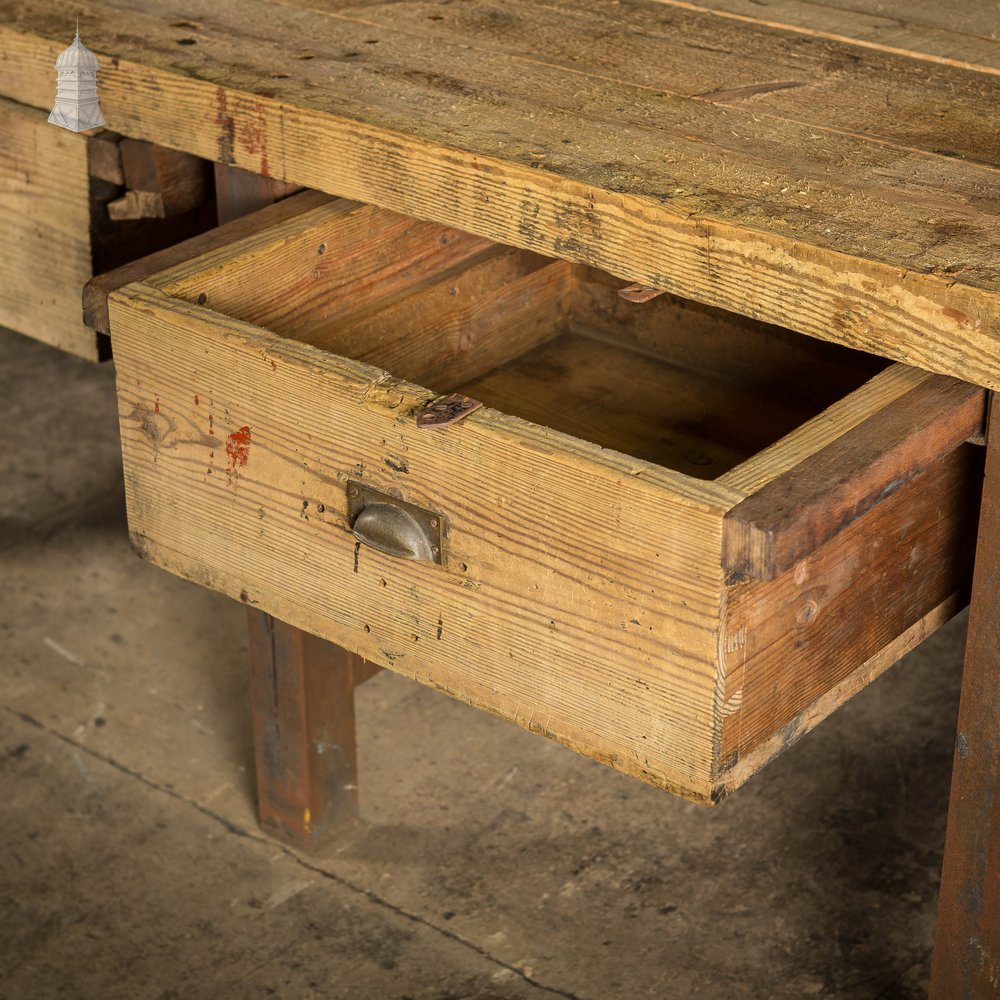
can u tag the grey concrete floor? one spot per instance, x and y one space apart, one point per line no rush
490 864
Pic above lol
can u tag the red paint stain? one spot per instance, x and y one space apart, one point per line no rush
255 136
958 317
238 451
211 424
227 128
156 405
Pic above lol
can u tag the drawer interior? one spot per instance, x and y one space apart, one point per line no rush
655 402
684 386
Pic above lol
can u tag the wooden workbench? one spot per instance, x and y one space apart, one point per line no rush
831 169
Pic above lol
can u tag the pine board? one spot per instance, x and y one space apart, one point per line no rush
959 34
45 252
859 205
785 639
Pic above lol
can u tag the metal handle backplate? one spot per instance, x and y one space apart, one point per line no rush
394 526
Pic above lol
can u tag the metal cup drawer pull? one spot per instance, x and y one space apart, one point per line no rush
393 526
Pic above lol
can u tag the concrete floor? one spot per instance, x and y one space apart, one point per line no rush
491 864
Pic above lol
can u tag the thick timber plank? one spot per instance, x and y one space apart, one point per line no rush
964 34
877 237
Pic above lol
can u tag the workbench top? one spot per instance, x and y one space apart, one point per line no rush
833 169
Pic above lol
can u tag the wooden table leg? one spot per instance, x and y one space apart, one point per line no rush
967 947
302 697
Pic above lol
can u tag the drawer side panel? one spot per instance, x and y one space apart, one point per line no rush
580 592
790 643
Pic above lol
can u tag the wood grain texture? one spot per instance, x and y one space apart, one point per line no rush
580 594
714 343
462 322
832 87
314 272
958 34
98 288
867 229
161 182
45 249
650 409
823 430
794 514
788 642
736 773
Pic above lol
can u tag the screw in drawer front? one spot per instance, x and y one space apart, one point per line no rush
393 526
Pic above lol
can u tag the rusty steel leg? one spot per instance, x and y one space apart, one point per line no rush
967 947
302 696
301 687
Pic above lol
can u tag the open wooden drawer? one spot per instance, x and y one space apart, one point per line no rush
672 539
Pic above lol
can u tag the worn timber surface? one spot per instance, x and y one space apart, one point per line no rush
797 163
44 217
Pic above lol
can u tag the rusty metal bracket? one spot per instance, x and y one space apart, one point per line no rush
639 293
446 410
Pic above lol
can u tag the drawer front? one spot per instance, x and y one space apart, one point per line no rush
45 252
582 588
579 590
